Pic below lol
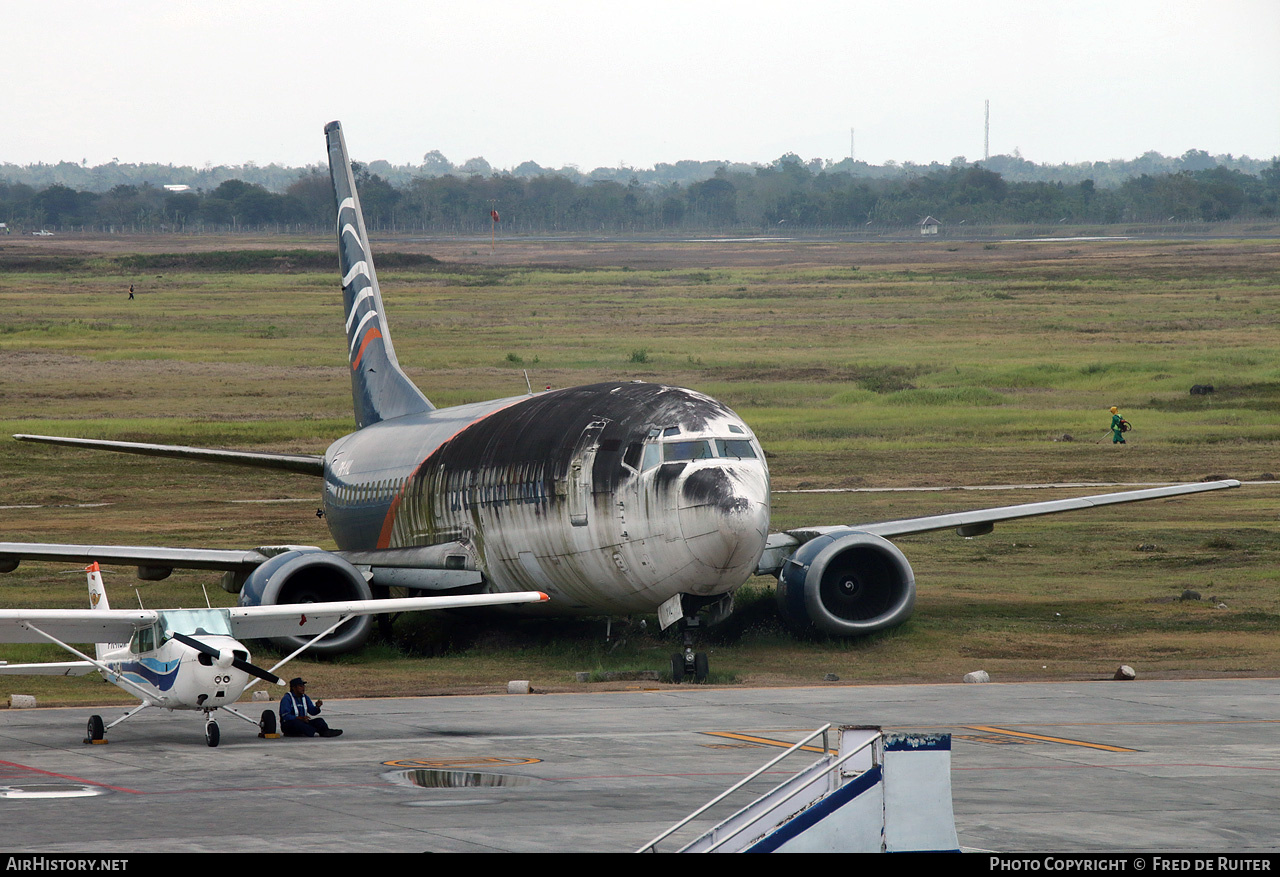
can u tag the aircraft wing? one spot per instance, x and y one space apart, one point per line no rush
73 625
57 668
294 619
978 521
308 464
421 567
132 555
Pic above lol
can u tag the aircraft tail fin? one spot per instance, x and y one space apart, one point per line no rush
97 597
97 593
379 388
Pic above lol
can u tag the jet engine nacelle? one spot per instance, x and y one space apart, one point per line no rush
311 577
847 583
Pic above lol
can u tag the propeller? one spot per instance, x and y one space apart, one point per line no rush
216 654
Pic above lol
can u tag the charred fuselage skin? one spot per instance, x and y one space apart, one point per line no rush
610 497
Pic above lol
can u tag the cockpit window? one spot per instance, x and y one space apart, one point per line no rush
631 457
144 640
693 450
671 430
652 456
196 621
739 448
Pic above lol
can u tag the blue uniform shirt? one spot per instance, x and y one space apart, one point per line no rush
294 706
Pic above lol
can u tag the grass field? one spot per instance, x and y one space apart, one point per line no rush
861 365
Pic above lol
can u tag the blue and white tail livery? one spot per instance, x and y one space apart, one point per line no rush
380 390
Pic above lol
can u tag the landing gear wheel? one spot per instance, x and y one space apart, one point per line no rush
701 667
211 734
268 723
677 668
95 731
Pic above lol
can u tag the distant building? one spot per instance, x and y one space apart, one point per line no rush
177 187
929 225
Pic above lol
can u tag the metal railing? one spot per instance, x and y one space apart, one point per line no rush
652 845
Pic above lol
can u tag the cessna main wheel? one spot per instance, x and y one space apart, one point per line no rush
95 730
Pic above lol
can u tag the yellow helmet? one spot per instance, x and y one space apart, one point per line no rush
1114 409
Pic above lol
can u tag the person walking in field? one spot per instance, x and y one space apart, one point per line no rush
130 292
1118 425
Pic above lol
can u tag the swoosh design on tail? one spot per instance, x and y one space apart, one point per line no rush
380 390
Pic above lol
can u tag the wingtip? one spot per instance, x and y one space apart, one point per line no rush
542 598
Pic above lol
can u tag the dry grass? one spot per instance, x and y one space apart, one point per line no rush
869 364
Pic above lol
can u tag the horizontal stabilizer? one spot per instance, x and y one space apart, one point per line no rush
307 464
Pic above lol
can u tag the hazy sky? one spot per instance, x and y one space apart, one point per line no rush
603 83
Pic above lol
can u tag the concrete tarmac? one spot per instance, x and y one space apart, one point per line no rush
1059 767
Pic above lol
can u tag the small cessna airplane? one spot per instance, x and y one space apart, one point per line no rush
190 659
615 498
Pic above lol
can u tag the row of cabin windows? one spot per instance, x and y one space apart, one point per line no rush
488 491
365 494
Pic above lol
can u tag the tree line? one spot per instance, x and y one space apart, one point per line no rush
789 193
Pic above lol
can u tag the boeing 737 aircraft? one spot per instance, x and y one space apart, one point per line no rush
615 499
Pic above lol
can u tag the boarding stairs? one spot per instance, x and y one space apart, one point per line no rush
876 793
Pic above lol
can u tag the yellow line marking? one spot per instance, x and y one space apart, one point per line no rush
1063 740
762 741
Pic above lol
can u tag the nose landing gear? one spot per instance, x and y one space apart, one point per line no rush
691 613
689 664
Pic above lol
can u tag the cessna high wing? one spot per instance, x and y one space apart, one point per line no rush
189 659
614 498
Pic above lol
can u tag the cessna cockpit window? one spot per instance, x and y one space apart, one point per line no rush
203 622
144 640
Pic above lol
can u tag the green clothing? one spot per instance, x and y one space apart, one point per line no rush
1117 436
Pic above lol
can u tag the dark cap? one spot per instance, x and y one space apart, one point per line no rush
297 680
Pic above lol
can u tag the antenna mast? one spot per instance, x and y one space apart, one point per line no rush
986 132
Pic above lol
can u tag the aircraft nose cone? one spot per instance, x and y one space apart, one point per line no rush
225 658
724 516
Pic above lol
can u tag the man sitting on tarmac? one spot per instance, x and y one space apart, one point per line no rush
300 715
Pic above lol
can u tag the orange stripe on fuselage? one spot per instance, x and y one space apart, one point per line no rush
368 336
